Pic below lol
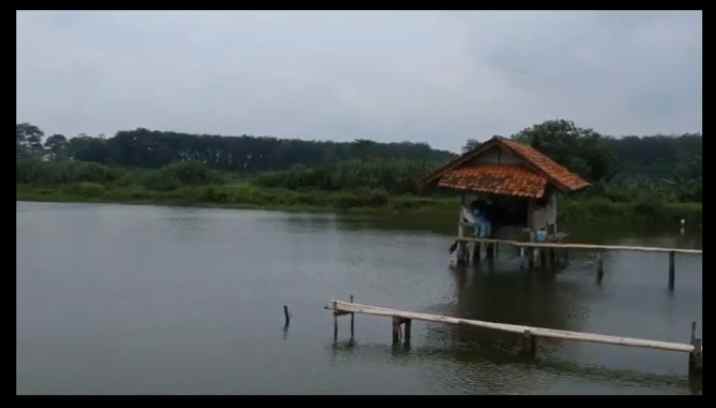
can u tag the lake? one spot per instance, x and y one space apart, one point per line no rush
123 299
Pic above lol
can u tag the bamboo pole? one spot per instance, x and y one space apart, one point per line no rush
582 246
512 328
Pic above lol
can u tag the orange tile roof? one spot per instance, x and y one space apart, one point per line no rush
552 169
497 179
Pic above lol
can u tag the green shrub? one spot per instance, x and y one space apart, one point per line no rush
216 195
160 181
86 189
191 173
39 172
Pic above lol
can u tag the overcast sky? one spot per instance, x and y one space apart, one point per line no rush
434 77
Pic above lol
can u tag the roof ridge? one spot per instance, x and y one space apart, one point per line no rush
544 162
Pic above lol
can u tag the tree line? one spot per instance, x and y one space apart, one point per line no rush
604 158
154 149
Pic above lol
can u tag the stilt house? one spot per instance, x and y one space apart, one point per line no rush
521 184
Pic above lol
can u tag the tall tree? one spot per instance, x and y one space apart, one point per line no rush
57 145
470 145
583 151
28 140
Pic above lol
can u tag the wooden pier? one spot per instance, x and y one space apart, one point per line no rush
529 333
566 245
544 248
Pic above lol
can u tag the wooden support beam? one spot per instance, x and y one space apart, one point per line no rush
672 270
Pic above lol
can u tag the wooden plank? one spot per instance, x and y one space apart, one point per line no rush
514 328
581 246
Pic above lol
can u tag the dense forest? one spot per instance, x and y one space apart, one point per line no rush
154 149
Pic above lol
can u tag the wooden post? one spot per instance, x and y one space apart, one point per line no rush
460 230
463 253
543 258
672 270
600 267
475 253
490 251
531 257
353 315
396 330
529 344
552 258
286 316
696 362
335 323
407 330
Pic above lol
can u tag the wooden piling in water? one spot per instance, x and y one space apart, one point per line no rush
396 330
672 270
490 251
353 315
335 323
529 344
477 253
287 317
407 328
531 258
696 355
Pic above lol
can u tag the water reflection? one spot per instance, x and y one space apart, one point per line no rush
482 371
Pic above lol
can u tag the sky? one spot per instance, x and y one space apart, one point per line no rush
433 77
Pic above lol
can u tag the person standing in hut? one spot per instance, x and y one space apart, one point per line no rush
483 220
478 219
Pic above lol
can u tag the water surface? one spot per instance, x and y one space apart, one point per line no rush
119 299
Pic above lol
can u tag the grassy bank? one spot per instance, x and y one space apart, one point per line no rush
239 195
246 195
585 210
369 188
